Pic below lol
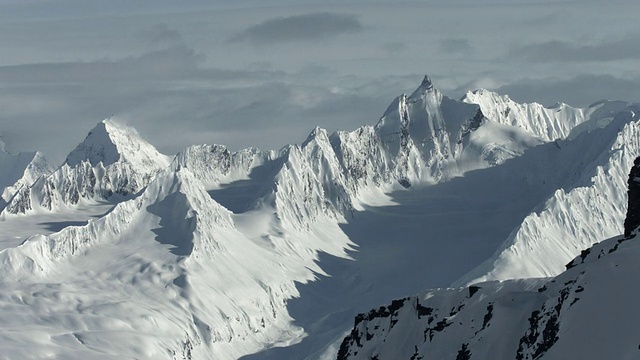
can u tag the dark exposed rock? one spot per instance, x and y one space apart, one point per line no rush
472 125
632 220
464 353
355 337
487 316
473 289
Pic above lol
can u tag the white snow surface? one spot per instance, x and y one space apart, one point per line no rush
270 254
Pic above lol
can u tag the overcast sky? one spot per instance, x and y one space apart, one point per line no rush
264 73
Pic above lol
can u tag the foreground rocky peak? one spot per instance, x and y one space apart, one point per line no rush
632 220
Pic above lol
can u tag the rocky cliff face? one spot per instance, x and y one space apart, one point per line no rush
632 221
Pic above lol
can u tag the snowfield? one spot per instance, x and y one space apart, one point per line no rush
124 252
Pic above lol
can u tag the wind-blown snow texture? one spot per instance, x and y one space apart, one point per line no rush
202 255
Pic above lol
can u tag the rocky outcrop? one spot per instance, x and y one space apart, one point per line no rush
632 221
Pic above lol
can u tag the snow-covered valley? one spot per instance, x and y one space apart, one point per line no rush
124 252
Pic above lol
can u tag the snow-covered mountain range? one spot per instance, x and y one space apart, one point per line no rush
124 252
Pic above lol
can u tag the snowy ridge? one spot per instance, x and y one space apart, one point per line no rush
572 220
311 183
515 319
548 123
215 164
362 158
326 173
113 159
19 170
37 253
191 246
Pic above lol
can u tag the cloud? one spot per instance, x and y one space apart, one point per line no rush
610 50
183 80
455 46
161 34
175 100
581 90
305 27
167 63
394 47
51 106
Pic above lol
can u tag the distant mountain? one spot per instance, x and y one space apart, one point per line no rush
19 170
112 160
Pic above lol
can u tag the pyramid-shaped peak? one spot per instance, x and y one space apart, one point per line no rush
111 141
426 87
426 82
318 134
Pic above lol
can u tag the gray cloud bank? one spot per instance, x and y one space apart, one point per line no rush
622 49
455 45
175 101
179 78
305 27
582 90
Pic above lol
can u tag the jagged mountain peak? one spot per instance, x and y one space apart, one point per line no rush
426 86
317 133
110 141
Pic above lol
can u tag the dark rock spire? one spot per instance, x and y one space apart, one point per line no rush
632 221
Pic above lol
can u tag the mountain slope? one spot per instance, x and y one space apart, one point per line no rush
548 123
546 318
158 258
574 315
588 207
